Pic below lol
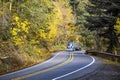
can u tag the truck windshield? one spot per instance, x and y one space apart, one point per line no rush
70 45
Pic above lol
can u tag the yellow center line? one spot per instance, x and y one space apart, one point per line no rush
48 69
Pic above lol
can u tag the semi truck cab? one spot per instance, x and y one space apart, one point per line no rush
72 46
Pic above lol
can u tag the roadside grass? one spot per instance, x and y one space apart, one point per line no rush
28 61
12 64
107 62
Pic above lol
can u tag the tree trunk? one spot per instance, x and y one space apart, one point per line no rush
10 6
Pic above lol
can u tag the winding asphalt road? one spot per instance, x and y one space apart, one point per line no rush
62 66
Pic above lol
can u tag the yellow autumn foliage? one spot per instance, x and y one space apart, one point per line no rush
52 33
19 30
54 20
42 34
14 31
117 26
16 18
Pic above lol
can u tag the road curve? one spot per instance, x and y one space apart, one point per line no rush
62 66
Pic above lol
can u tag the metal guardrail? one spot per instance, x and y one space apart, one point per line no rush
105 55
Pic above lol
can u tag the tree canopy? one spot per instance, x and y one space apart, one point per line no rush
100 16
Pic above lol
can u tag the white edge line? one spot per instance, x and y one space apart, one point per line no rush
93 60
31 66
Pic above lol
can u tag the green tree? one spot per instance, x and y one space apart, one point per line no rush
103 18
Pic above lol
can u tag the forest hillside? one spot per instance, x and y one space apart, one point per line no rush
31 30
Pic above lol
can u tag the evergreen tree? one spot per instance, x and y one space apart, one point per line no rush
103 15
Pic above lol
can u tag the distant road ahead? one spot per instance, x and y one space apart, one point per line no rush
62 66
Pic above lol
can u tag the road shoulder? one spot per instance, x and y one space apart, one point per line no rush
108 71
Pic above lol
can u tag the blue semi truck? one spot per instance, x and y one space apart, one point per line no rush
72 46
